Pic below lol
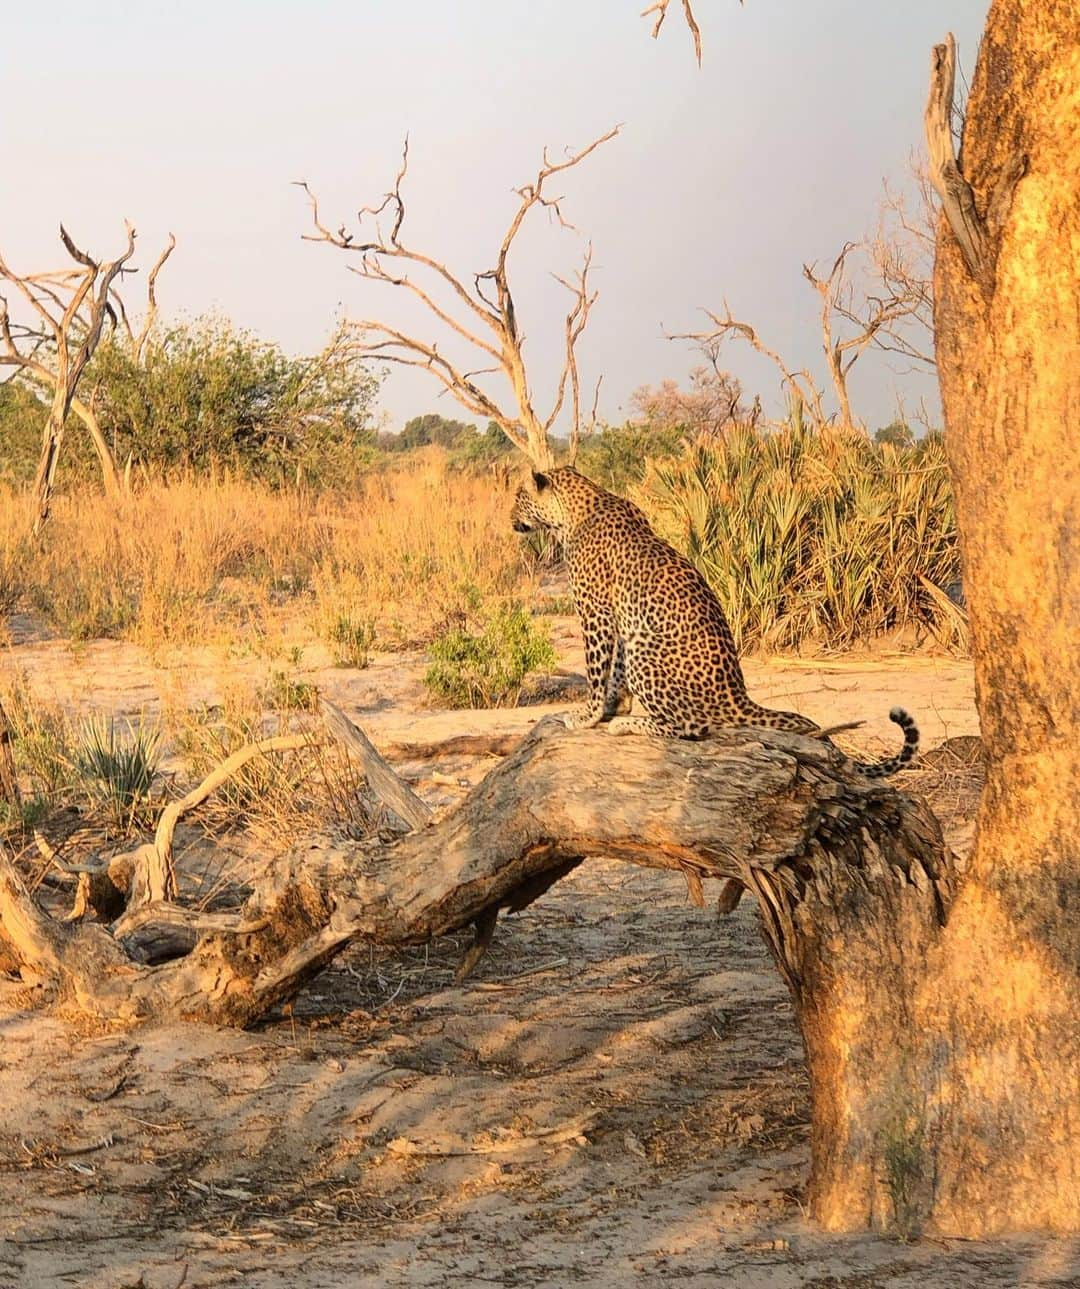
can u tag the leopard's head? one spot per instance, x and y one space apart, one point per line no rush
537 505
556 500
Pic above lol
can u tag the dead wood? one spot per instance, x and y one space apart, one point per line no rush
457 745
390 789
475 311
65 313
781 814
660 8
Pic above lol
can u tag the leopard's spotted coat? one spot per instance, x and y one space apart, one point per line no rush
653 627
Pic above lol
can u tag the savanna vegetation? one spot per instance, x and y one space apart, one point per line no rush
936 1000
258 485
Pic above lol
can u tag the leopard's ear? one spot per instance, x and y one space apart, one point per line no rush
542 481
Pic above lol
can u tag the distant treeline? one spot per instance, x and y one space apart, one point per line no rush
205 395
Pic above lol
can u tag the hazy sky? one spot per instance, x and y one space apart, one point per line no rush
194 116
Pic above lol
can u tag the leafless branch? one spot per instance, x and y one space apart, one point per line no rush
660 8
486 319
70 308
137 340
799 383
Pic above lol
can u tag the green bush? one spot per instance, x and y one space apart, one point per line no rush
22 419
117 771
283 694
618 456
818 537
487 667
351 639
207 394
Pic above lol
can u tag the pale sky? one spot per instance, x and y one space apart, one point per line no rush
195 116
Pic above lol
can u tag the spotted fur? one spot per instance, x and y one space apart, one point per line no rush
653 628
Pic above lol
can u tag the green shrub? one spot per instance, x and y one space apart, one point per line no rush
817 537
351 639
44 739
283 694
117 771
617 456
487 667
22 419
17 821
88 598
206 394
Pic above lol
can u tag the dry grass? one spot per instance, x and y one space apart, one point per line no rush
820 539
217 558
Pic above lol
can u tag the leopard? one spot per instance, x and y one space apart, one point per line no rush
655 634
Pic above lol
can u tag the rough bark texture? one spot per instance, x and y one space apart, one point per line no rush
991 1049
820 847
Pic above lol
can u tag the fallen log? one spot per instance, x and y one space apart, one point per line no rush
852 879
780 814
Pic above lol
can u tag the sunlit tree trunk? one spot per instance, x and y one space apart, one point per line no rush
1008 1001
946 1061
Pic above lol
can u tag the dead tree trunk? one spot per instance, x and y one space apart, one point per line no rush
69 311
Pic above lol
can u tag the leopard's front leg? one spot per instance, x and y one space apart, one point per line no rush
617 700
598 628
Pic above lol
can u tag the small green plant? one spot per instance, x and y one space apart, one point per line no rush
904 1166
558 606
117 770
351 639
88 603
283 694
486 667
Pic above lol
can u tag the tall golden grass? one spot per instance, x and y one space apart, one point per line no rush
807 538
199 558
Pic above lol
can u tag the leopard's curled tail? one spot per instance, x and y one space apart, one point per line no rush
880 769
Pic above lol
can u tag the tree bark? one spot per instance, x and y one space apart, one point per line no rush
945 1060
955 1069
999 1069
783 814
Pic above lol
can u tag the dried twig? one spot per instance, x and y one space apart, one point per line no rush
975 233
660 8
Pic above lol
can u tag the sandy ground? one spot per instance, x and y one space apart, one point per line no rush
617 1097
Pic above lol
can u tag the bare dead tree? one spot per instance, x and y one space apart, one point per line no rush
877 321
800 383
66 312
902 262
892 314
483 314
